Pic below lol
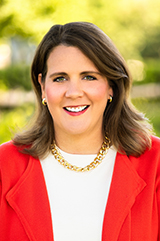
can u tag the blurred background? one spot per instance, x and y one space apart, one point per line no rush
133 25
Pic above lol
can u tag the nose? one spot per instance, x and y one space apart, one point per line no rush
74 90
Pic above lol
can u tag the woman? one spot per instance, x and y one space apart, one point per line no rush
88 167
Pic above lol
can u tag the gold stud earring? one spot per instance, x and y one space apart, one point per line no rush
110 99
44 101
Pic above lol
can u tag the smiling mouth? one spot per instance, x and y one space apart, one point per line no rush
76 109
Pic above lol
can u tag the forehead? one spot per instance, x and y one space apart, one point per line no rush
68 57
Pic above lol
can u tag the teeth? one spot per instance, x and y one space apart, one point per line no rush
76 109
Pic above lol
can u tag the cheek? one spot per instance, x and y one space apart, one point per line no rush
53 95
99 93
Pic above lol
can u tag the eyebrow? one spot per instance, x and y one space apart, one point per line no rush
90 72
82 73
57 73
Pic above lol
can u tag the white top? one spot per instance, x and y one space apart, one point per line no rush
78 200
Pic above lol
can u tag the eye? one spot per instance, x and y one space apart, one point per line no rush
89 77
59 79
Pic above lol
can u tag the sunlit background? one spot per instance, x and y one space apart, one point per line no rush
133 25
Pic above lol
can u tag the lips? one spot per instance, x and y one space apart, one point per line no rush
76 110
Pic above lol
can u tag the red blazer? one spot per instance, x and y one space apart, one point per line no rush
132 212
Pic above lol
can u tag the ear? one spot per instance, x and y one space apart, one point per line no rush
110 92
42 85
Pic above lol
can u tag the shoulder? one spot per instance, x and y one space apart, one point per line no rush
155 144
13 164
148 163
153 154
154 151
7 146
9 150
11 157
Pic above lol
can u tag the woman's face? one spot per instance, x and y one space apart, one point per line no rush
76 92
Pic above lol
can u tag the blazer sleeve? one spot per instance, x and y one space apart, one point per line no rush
158 197
156 155
0 189
0 184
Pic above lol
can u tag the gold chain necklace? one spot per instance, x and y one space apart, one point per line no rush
100 156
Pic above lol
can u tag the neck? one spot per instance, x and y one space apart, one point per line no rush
80 144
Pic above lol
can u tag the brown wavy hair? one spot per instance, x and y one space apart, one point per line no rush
127 129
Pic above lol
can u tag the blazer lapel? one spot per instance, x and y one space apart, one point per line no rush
126 185
29 200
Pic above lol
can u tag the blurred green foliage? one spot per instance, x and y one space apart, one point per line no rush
150 107
13 119
15 76
151 72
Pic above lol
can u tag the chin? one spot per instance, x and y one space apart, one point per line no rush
77 131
